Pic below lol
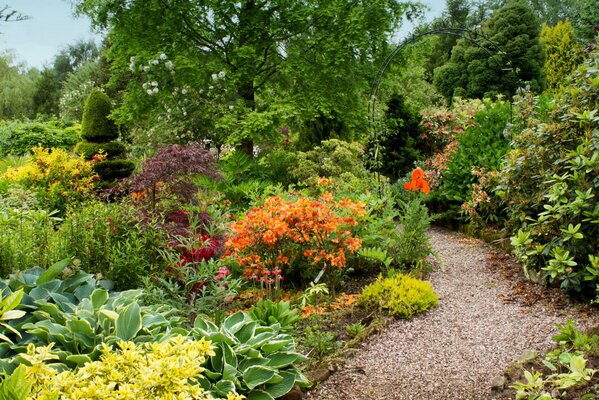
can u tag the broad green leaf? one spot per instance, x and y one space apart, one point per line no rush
224 387
54 270
79 359
283 387
257 375
281 360
98 298
12 314
259 395
128 323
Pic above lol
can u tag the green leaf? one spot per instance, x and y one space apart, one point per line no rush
257 375
281 360
128 323
283 387
54 270
79 359
224 387
16 386
259 395
98 298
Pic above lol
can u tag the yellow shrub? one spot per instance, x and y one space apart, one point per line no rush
402 295
161 371
59 176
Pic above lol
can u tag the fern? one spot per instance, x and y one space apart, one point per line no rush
378 254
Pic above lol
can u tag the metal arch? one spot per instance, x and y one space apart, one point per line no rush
476 38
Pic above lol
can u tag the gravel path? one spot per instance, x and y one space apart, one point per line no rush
455 350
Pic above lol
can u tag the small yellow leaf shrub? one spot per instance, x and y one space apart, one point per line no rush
163 371
402 295
60 177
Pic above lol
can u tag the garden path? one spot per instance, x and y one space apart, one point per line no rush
456 350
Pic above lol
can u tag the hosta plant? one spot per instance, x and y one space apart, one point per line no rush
267 313
256 361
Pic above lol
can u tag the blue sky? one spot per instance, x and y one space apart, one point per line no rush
52 27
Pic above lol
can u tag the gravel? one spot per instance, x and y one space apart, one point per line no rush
456 350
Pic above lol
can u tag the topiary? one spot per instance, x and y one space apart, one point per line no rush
402 295
111 149
96 126
111 170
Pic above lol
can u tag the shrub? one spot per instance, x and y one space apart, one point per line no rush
96 126
267 313
111 170
112 149
295 237
19 137
168 172
255 361
550 184
79 315
331 159
58 177
164 370
412 244
401 296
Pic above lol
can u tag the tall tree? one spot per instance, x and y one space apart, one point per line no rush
478 71
563 52
265 61
17 85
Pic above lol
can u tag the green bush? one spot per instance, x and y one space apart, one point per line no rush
112 149
256 361
401 296
331 159
111 170
411 243
19 137
79 315
96 126
550 185
267 313
482 146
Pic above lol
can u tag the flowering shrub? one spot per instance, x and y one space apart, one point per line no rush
279 236
167 370
61 177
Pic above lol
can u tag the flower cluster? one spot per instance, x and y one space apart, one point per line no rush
418 183
281 234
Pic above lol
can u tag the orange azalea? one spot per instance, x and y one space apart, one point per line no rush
418 183
282 231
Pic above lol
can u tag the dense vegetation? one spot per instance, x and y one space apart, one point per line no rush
254 193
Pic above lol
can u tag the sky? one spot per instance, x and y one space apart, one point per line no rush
52 27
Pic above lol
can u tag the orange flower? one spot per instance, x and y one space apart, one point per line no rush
418 183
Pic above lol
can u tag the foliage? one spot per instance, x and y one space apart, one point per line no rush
96 126
19 137
17 85
473 72
412 242
112 149
77 86
397 147
164 370
354 330
111 170
253 360
168 172
549 184
331 159
79 315
482 145
566 366
400 295
320 342
267 313
563 53
322 69
58 177
294 238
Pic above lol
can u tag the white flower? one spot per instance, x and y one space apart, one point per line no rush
132 59
132 66
146 68
210 87
231 108
221 74
154 83
214 77
168 64
150 92
155 90
145 85
154 62
184 91
163 56
185 113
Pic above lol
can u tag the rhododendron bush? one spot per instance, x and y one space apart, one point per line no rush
295 238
